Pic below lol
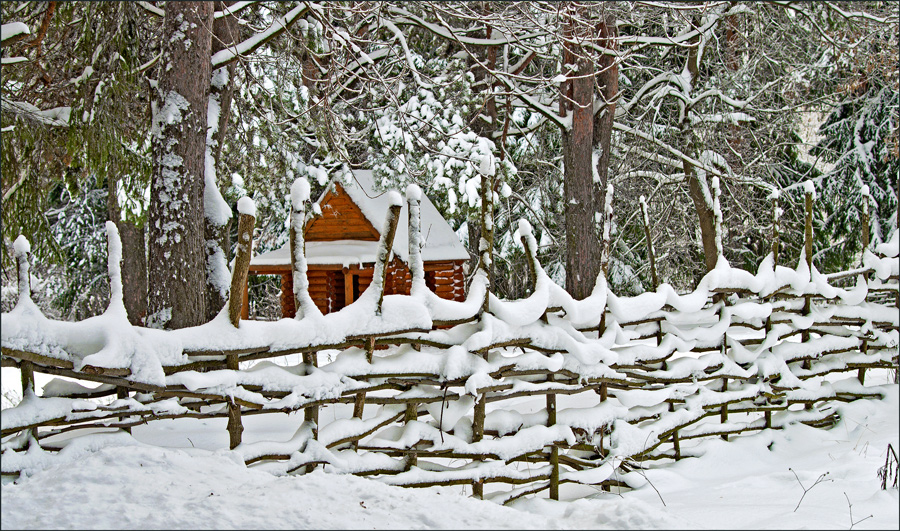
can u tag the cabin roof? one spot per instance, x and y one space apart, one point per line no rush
441 242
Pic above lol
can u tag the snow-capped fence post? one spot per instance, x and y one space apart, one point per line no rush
116 295
247 210
385 247
22 248
486 243
303 303
299 197
554 450
414 232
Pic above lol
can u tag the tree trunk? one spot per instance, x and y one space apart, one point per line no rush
700 195
582 245
216 234
699 191
608 81
134 259
177 278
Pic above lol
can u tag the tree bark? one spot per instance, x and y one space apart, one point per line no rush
582 245
608 82
134 259
177 279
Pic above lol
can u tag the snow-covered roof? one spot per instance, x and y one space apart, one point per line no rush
440 240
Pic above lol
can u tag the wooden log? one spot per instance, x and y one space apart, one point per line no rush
234 427
808 249
723 414
241 265
554 450
478 435
122 392
26 368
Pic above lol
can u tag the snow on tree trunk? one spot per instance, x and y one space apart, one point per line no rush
416 267
217 212
177 272
698 189
302 301
134 258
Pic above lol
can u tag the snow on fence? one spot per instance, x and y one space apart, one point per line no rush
435 383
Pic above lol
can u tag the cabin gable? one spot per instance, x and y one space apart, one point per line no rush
341 219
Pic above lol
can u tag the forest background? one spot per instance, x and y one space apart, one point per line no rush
160 116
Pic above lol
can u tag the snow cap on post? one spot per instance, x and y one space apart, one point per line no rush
114 252
246 206
299 192
524 227
865 191
22 246
413 192
810 188
394 198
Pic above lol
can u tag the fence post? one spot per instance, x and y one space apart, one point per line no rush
414 234
242 259
303 304
486 244
247 218
22 248
723 414
808 250
864 233
412 413
478 435
776 215
385 248
554 450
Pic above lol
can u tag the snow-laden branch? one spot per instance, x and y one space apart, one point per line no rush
232 9
12 32
231 53
678 153
445 31
57 116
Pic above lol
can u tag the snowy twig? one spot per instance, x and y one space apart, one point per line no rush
850 506
805 490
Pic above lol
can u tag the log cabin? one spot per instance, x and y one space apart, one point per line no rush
342 243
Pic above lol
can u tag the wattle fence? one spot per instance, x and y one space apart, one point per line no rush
437 387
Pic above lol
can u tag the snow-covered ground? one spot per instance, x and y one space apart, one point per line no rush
170 476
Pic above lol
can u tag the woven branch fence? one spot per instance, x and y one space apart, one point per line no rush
437 386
